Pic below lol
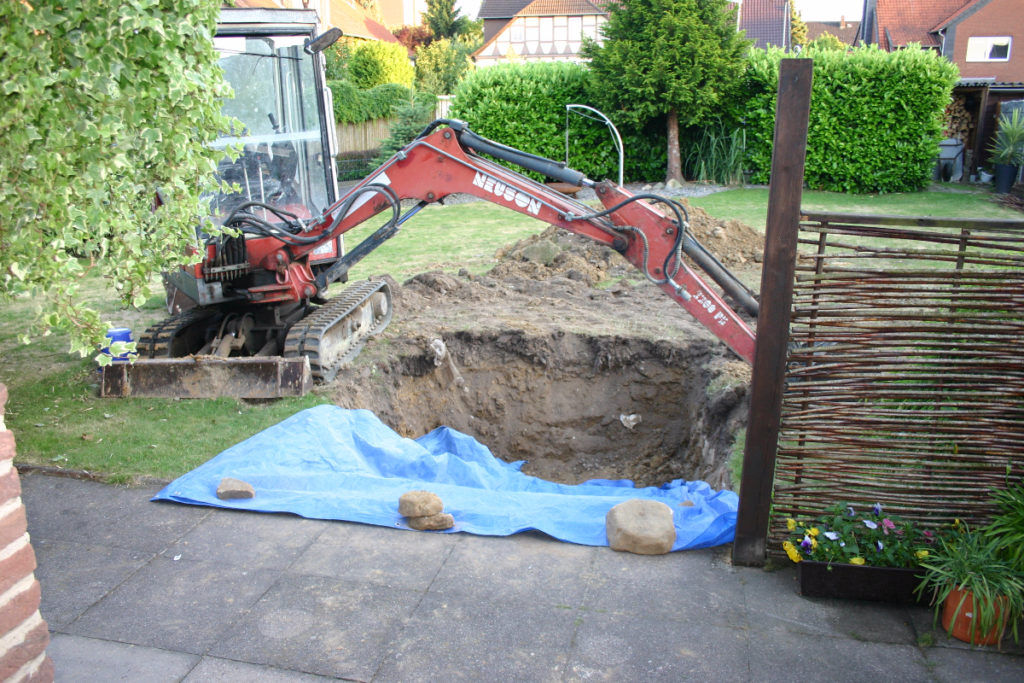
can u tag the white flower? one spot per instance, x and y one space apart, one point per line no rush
831 535
869 524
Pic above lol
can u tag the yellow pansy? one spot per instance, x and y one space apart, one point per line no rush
791 551
790 524
856 560
813 531
921 554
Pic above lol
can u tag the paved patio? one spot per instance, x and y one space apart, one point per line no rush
142 591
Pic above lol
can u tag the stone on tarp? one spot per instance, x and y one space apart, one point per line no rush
438 522
419 504
644 527
230 488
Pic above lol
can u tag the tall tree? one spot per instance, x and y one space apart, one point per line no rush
797 28
440 66
104 104
676 59
444 19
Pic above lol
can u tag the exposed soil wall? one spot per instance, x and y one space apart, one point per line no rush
542 365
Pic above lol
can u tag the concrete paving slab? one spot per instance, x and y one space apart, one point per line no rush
459 637
88 660
179 605
776 655
620 646
536 569
74 576
773 605
949 665
96 514
319 625
373 554
214 670
244 539
667 586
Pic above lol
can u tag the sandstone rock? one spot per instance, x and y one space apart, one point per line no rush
419 504
438 522
234 488
644 527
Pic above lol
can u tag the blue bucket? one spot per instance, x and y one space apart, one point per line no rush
118 334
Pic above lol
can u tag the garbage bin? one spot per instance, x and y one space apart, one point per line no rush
949 166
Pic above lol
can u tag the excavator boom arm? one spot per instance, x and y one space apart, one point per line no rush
446 160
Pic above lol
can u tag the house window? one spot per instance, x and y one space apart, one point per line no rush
547 26
516 34
988 49
575 28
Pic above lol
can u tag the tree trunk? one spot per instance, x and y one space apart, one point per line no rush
675 164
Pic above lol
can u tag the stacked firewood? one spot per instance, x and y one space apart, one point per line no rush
958 120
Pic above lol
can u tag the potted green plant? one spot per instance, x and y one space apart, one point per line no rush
1006 528
976 592
860 554
1007 150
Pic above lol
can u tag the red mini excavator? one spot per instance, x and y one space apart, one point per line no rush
252 317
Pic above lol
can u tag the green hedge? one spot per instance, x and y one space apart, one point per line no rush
353 105
522 105
875 120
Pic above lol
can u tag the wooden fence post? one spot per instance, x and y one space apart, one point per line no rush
791 115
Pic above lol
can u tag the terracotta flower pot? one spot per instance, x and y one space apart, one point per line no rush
964 627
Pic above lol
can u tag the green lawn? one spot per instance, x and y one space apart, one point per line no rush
750 205
59 421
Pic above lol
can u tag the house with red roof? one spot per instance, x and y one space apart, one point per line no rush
984 38
845 31
766 22
537 30
553 29
353 20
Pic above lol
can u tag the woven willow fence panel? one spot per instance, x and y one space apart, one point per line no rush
905 380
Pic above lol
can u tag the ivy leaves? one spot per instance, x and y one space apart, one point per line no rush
104 104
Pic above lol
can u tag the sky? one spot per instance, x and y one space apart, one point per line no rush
810 10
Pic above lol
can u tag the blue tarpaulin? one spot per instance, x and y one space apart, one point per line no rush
330 463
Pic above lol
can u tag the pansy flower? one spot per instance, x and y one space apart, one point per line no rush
869 524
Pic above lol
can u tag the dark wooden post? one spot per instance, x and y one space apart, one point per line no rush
791 113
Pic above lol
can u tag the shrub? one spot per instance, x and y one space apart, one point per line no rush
875 119
411 118
373 63
440 66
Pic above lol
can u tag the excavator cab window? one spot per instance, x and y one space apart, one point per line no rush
283 160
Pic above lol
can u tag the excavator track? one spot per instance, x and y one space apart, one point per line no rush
176 336
334 334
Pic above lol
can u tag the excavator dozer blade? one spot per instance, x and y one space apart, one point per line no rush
208 377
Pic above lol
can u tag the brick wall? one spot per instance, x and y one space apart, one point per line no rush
23 633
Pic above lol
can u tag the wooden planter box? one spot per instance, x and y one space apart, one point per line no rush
858 582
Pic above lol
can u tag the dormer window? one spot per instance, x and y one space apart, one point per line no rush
988 49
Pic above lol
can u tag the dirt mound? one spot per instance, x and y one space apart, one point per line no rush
543 365
732 242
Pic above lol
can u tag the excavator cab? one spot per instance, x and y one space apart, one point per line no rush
285 146
279 158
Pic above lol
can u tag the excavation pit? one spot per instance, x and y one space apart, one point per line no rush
573 406
565 357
